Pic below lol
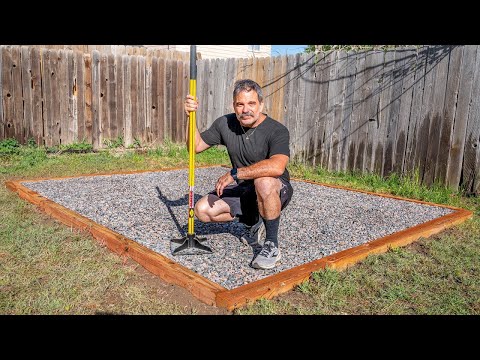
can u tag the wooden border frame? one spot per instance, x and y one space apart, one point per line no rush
212 293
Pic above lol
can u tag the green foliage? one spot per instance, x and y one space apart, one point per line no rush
9 147
115 143
77 147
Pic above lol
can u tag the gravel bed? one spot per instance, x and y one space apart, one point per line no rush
151 208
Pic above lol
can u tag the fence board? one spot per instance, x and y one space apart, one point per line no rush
337 109
36 84
219 88
322 71
112 96
300 121
87 78
17 95
96 117
230 72
312 89
120 97
415 112
154 117
62 90
358 134
291 101
408 73
141 118
7 94
27 92
395 102
467 74
202 93
470 157
134 88
80 96
168 99
172 102
161 100
348 109
127 104
148 99
105 124
423 124
178 103
384 110
210 116
72 131
441 55
373 74
448 113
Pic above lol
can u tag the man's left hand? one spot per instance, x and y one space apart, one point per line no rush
222 182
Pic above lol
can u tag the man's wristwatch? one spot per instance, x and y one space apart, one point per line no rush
233 172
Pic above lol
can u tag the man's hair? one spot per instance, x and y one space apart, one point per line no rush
247 85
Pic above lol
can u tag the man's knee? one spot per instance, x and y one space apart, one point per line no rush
265 186
202 209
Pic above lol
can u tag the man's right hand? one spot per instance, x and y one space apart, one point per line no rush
190 104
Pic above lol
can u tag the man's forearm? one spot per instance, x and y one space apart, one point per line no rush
197 135
265 168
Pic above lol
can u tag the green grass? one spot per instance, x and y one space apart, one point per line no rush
48 268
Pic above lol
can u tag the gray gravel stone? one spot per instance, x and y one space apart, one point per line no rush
151 208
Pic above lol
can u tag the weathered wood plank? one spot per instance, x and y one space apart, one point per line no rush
448 113
230 71
202 94
442 56
345 139
168 100
374 69
300 121
36 84
112 96
321 109
26 64
17 96
173 101
80 96
7 94
358 128
408 72
211 98
457 144
96 109
472 142
332 103
88 79
161 100
72 98
62 89
291 98
423 124
180 94
141 117
127 104
105 125
154 102
415 111
312 89
395 103
134 99
148 98
384 110
120 96
219 88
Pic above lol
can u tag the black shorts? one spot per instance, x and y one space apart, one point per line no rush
242 200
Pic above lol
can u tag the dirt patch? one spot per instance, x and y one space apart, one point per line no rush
172 293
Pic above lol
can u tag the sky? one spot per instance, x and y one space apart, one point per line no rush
287 49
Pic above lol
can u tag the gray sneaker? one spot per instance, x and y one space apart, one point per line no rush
255 234
268 256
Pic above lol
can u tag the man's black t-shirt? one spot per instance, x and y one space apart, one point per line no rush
267 139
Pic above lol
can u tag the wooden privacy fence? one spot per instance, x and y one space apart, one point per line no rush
397 111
